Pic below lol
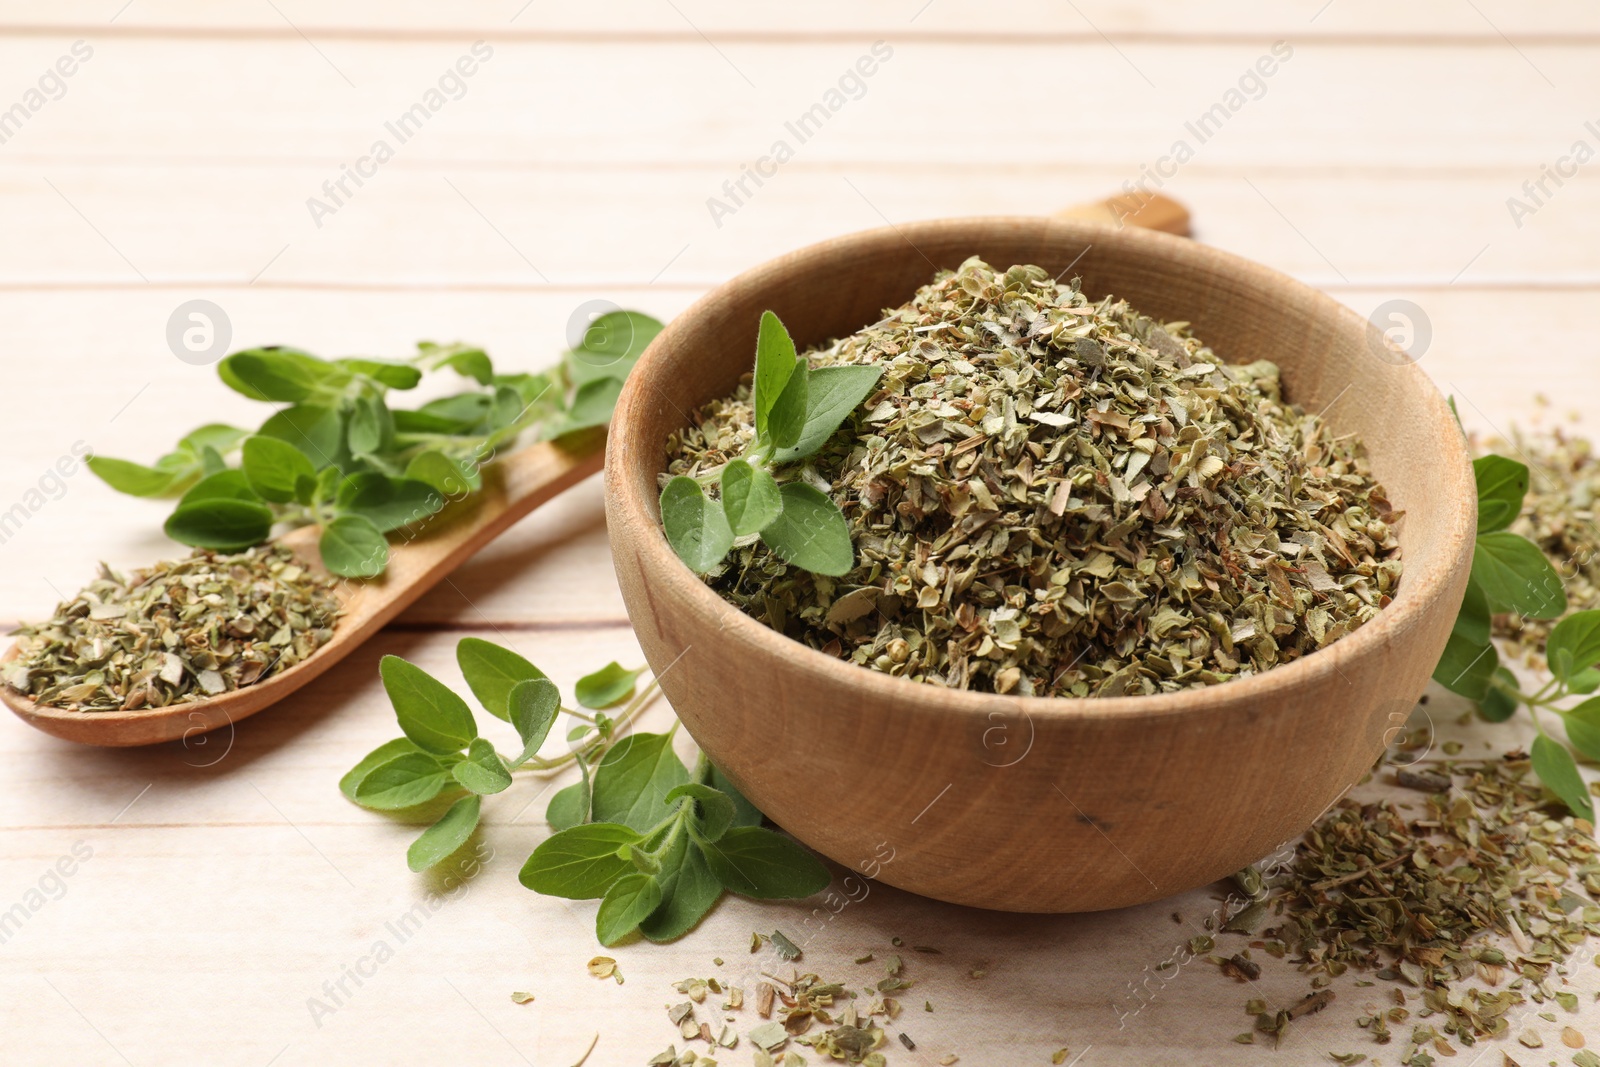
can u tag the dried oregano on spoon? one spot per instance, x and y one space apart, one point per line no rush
1050 495
176 632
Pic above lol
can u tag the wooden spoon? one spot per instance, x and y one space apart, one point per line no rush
512 487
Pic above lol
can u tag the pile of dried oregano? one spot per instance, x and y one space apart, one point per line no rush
829 1018
1050 495
175 632
1465 904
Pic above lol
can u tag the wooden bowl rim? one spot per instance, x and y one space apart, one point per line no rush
661 569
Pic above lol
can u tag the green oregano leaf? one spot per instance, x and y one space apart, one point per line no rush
352 547
222 524
211 462
1466 667
628 902
1502 485
315 430
688 891
1516 576
745 813
580 863
592 404
439 841
611 345
385 752
764 864
787 419
569 807
371 427
776 360
278 374
458 414
810 532
714 809
632 781
695 526
274 467
451 477
1497 704
225 484
388 503
171 475
385 372
534 705
832 393
1472 621
429 712
468 362
483 771
492 671
644 861
405 781
217 436
1584 681
750 497
1583 727
606 686
1555 767
1574 644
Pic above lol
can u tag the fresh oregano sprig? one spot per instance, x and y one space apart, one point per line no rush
1511 574
654 843
336 454
797 408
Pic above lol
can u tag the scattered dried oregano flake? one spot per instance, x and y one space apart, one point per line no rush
1467 902
521 998
801 1011
1056 496
786 948
605 967
179 631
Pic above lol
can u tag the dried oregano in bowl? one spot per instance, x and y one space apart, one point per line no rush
1054 496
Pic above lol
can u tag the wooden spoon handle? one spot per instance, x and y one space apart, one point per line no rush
1152 212
421 556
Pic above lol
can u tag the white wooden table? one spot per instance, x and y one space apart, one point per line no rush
221 889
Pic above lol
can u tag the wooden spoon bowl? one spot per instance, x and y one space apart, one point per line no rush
1038 804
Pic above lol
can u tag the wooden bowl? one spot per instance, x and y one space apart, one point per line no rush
1040 804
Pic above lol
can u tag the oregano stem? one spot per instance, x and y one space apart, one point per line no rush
599 746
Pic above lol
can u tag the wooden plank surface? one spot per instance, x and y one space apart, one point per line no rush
226 880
